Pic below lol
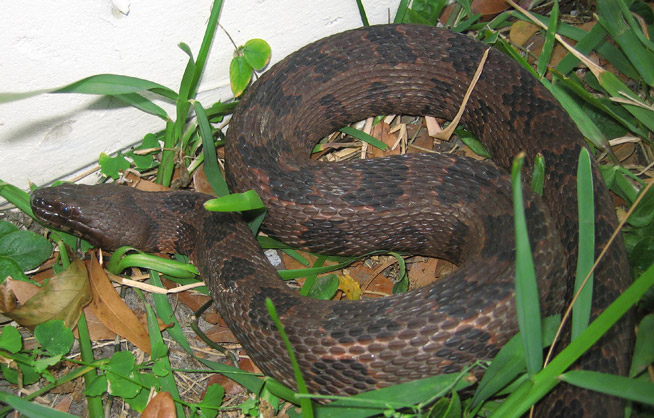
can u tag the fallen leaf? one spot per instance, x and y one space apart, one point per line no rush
521 32
230 386
63 297
112 310
161 406
349 286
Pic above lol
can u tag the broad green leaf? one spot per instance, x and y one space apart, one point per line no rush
112 166
27 249
240 74
55 337
10 339
257 53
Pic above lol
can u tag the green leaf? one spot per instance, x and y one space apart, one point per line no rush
510 362
398 396
121 376
27 249
31 409
538 176
240 74
257 53
305 403
235 202
526 290
145 161
533 390
474 144
586 254
624 387
7 228
364 137
643 353
324 287
54 336
9 268
10 339
113 84
213 398
112 166
546 52
141 103
97 387
644 212
211 169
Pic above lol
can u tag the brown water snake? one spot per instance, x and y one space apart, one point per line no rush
444 206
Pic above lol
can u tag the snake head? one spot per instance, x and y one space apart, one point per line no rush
94 213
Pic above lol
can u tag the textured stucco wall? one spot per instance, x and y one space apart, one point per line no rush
51 43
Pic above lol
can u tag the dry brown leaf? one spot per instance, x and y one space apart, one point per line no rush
521 32
145 185
201 183
63 297
220 333
64 404
230 386
381 131
161 406
21 290
112 310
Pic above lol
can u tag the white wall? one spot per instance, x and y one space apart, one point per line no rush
50 43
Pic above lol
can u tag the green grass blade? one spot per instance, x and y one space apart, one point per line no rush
586 255
643 353
581 119
305 403
114 84
548 46
94 403
532 391
162 363
618 90
358 134
165 312
401 11
215 177
538 176
141 103
610 16
616 112
362 14
624 387
31 409
605 49
205 47
235 202
395 397
510 362
167 165
527 305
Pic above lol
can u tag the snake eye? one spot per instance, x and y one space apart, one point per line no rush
66 211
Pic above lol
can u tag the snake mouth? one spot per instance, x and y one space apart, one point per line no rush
54 213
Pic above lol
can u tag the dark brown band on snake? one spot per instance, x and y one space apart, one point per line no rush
435 205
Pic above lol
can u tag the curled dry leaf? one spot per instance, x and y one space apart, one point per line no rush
63 297
161 406
112 310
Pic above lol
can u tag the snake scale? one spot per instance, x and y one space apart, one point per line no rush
434 205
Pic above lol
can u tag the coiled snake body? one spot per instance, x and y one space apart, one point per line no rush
435 205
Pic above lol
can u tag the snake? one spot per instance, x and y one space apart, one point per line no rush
431 204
